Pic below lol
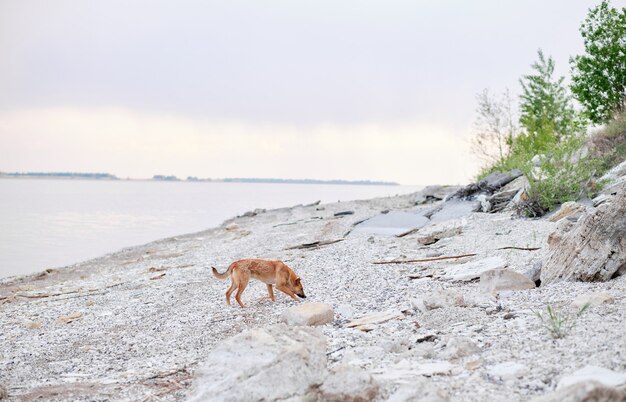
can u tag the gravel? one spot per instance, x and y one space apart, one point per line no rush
141 335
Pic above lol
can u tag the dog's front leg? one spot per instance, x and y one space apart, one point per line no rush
271 292
287 291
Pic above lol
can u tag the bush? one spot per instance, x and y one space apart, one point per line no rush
564 175
608 144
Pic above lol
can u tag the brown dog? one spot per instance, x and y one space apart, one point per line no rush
270 272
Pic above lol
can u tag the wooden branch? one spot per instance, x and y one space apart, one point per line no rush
315 244
408 232
450 257
519 248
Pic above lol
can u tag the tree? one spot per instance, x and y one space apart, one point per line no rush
546 110
599 76
495 127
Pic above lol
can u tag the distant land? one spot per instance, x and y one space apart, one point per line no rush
61 175
108 176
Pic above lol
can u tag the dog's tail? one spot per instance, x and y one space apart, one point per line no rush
223 276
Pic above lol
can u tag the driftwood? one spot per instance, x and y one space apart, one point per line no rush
591 250
314 245
408 232
450 257
519 248
74 293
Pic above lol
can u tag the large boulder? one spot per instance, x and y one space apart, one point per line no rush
273 363
593 249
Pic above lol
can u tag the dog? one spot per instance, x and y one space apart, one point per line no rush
270 272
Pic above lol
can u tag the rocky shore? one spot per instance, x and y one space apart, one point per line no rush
431 299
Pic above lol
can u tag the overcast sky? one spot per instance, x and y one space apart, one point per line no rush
379 90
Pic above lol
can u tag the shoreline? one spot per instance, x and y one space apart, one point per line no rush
144 317
78 220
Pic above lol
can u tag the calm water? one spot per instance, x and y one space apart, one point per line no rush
53 223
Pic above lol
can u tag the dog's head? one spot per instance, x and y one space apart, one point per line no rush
298 289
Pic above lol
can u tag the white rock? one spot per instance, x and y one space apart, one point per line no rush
374 318
593 373
459 347
485 205
567 209
593 299
350 384
600 199
345 310
508 370
407 370
273 363
502 279
308 314
432 233
473 269
438 299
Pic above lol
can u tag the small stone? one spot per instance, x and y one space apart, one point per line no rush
459 347
406 369
508 371
601 199
593 299
567 209
32 324
308 314
473 269
438 299
497 280
345 310
593 373
534 273
231 226
473 364
66 319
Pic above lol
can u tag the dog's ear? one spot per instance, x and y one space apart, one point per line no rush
297 281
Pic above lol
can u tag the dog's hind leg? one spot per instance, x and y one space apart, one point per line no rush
230 291
241 286
271 292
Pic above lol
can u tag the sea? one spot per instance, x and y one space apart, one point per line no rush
50 223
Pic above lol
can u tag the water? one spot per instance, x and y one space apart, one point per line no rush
54 223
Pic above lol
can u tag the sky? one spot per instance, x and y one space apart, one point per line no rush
354 90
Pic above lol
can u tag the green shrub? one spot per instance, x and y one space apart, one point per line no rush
558 323
609 143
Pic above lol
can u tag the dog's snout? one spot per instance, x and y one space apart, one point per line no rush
302 296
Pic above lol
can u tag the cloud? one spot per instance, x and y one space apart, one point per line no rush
139 145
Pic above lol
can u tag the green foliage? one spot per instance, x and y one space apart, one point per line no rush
546 106
599 76
558 323
564 175
609 143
